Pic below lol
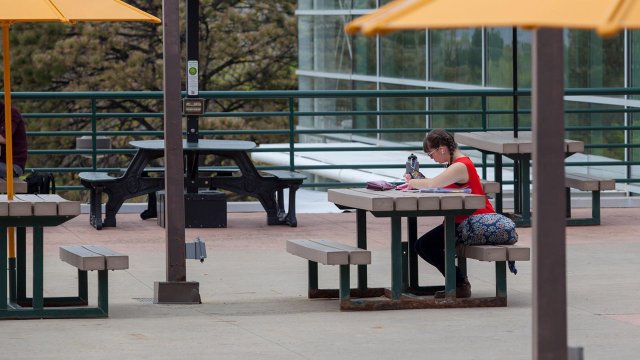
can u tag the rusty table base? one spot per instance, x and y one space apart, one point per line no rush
410 301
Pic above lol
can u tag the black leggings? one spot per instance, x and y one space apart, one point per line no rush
430 247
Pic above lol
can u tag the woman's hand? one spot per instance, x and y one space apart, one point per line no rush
413 184
405 186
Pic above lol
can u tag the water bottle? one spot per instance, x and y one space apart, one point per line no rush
413 168
412 165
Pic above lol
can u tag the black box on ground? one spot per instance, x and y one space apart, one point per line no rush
206 209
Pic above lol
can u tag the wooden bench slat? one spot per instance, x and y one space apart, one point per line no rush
82 258
428 203
494 252
607 184
451 202
466 201
483 252
402 201
93 257
525 146
574 146
517 253
474 201
354 199
490 187
65 207
41 207
114 260
16 207
588 182
38 205
493 144
581 183
319 253
19 186
357 256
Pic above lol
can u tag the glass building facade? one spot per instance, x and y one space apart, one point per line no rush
478 58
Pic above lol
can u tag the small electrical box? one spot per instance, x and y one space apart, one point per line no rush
205 209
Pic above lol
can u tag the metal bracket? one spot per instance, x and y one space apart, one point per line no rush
196 250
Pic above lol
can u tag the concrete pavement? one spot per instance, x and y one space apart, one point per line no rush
255 305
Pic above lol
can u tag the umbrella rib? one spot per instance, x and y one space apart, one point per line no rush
370 29
614 20
149 16
55 8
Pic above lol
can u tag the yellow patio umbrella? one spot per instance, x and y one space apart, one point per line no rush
68 11
547 18
605 16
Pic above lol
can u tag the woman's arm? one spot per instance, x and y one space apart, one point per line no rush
456 173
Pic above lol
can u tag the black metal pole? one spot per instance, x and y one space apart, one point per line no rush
193 53
192 39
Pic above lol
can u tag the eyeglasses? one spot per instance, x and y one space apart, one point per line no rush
430 154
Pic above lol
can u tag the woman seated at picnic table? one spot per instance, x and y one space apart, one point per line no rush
441 147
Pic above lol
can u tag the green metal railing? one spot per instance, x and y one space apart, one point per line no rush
296 105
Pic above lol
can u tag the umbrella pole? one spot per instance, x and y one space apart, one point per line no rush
7 109
176 289
548 225
514 55
8 142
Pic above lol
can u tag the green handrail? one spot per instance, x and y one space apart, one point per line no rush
292 112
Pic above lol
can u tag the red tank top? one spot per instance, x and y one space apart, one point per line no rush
475 186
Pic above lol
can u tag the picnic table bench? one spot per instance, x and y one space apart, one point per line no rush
499 254
331 252
268 187
94 257
587 183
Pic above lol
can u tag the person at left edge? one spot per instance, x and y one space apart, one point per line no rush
19 139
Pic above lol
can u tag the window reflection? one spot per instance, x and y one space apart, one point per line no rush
402 55
331 45
364 58
592 61
402 120
456 56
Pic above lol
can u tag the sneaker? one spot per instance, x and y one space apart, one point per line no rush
462 291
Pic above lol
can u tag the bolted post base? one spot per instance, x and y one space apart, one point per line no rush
176 292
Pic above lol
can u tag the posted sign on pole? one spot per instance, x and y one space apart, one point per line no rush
192 77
